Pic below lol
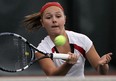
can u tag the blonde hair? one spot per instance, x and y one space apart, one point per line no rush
32 22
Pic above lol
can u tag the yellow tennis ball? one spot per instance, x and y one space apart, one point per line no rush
60 40
26 53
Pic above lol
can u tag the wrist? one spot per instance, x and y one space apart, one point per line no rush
69 63
103 69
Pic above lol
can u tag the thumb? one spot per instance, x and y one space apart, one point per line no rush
110 53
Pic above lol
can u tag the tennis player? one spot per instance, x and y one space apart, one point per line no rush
78 46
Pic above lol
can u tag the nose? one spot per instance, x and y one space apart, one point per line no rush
54 20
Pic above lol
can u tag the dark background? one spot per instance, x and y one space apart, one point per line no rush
95 18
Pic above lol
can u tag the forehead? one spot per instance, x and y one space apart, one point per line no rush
53 9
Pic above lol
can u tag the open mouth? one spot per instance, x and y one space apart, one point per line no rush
55 26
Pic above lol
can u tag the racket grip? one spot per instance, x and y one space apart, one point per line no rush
60 56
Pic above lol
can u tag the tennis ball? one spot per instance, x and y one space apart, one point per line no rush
26 53
60 40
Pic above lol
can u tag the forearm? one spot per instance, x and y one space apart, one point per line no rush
103 69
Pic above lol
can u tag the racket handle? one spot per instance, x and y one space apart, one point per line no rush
60 56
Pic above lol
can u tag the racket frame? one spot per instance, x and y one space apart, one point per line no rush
33 48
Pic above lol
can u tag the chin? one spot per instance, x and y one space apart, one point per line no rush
56 33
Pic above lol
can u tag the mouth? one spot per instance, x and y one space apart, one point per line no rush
55 26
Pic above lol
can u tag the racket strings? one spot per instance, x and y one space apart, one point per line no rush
15 53
23 59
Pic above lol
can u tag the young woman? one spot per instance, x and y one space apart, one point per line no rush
78 46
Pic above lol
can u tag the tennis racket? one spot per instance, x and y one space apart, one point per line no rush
18 54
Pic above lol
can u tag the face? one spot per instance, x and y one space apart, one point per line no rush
53 20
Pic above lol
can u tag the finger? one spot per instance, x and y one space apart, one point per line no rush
108 57
73 57
70 53
110 54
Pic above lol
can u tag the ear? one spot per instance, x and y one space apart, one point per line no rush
41 22
65 18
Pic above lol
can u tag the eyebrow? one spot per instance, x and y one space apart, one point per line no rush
50 13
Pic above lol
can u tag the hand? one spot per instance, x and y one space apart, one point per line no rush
105 59
72 58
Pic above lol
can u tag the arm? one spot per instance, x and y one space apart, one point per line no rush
99 63
103 66
50 69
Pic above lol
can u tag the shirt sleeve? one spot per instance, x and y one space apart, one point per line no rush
87 43
41 48
46 45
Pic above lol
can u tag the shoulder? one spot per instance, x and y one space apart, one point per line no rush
77 36
45 45
79 39
47 41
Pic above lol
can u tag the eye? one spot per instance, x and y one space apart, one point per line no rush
58 16
48 17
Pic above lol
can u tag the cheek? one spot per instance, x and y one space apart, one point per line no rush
46 23
62 22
